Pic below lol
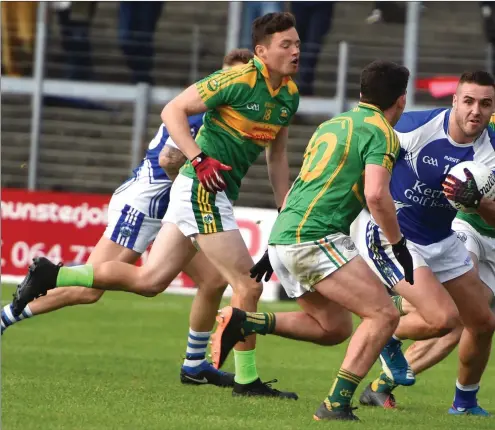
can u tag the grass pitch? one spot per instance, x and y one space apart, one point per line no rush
115 365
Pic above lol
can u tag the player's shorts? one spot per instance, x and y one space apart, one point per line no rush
302 265
195 211
481 246
129 227
447 259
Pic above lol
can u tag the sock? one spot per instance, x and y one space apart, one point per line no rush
383 384
398 304
81 276
465 396
245 367
8 318
197 342
259 322
342 390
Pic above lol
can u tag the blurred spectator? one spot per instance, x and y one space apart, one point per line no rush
137 24
18 28
313 22
74 19
252 10
388 11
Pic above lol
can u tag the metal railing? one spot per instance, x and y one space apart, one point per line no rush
142 95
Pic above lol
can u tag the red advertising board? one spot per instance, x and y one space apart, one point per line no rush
66 226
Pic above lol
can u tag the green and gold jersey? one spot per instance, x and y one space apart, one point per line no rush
477 223
245 114
328 193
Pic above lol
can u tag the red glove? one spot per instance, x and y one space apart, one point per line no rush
207 170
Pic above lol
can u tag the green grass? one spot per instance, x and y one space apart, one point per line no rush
115 365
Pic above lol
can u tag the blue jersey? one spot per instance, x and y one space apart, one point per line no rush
427 154
149 187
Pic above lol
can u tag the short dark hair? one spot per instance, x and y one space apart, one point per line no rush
383 82
238 56
479 77
265 26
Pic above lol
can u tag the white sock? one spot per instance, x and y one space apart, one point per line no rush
197 343
461 387
8 318
395 337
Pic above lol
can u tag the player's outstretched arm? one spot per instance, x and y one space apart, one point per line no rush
382 208
278 166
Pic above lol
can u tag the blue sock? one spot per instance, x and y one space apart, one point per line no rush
8 318
197 342
465 396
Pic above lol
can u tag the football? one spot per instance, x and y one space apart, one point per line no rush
484 177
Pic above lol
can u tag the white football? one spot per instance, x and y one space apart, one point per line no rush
484 177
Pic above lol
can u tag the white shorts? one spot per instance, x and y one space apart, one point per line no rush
129 227
481 246
302 265
195 211
447 259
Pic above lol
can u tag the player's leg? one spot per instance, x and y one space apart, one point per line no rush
345 283
475 345
211 286
128 234
170 252
58 298
227 251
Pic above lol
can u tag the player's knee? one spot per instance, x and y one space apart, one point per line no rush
216 283
389 317
249 291
150 284
336 335
485 325
445 323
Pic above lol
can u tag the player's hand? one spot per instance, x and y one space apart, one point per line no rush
465 192
404 258
208 172
262 267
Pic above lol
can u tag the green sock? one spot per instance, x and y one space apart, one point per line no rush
383 384
79 276
342 390
398 304
245 366
259 322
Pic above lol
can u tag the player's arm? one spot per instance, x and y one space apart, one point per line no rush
380 155
486 210
174 115
380 202
171 160
278 166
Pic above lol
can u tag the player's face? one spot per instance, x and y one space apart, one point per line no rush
281 55
400 105
473 107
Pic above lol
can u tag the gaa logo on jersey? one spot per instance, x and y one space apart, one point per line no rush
208 219
126 230
284 115
462 236
212 85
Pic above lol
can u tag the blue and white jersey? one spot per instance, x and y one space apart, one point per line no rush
427 154
148 190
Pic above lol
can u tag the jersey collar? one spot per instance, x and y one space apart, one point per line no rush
371 107
258 62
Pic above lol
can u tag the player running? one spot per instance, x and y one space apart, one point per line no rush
446 287
479 239
347 165
134 219
248 109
